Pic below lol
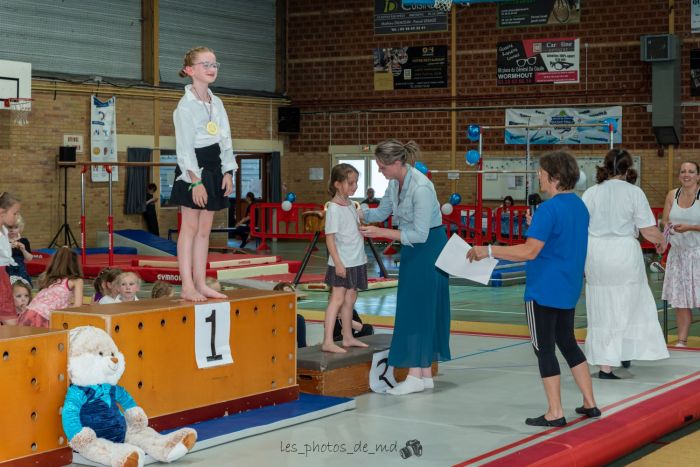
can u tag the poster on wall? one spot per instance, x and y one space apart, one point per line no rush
559 125
103 137
393 17
695 72
538 61
410 67
539 12
695 16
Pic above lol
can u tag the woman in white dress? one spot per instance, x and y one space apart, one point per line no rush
682 219
623 322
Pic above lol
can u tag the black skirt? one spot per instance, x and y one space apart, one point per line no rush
209 159
355 278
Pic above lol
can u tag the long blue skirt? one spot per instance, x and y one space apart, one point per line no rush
422 325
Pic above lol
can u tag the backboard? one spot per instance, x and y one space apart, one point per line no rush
15 81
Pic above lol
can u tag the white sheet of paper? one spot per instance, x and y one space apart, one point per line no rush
453 260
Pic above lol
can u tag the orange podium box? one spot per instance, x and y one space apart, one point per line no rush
164 373
33 384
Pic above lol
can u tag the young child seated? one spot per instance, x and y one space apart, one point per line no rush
22 294
301 322
106 286
162 289
359 329
128 285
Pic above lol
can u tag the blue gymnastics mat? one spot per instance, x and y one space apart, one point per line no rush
148 240
253 422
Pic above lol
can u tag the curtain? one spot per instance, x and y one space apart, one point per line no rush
275 178
136 181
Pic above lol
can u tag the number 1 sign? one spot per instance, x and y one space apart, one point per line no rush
211 334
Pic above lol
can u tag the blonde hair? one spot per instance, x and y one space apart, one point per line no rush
190 58
162 289
20 223
123 275
392 150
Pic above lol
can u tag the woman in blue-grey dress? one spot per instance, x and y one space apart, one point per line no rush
422 324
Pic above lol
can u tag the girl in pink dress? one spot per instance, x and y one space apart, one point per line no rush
60 286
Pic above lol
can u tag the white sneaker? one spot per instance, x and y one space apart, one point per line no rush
680 344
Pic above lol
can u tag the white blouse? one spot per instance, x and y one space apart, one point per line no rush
191 117
5 249
617 209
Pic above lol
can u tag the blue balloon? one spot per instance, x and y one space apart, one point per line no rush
474 133
608 121
291 197
472 157
421 167
455 199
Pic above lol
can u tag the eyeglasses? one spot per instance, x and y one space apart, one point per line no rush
529 61
208 65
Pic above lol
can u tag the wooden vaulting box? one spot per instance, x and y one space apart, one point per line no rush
158 343
343 375
33 384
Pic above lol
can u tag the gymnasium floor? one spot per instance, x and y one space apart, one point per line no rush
482 395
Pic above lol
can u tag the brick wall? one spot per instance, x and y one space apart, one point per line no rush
28 159
330 77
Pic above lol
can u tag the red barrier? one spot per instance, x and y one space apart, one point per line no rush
269 220
513 233
463 222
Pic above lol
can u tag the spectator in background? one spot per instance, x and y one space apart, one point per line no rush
150 214
21 251
370 199
242 227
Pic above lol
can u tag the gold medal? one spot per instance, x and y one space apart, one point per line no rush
212 128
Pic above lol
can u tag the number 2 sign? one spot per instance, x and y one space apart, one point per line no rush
212 327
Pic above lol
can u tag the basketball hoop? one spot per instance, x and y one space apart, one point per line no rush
443 5
21 108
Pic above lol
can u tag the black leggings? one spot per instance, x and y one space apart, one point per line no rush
549 326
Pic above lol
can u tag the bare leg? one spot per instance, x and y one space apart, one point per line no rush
185 241
582 376
201 253
346 319
684 319
551 390
335 302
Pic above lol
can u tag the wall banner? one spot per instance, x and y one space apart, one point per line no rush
695 16
561 120
410 68
103 137
538 61
393 17
539 12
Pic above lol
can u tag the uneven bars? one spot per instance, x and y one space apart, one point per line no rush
117 164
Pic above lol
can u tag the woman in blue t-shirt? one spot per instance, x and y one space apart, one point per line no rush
555 252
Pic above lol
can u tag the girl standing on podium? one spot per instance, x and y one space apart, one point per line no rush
204 173
347 262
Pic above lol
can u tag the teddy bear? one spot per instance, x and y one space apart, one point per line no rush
96 427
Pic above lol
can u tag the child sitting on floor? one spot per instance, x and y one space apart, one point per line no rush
128 285
162 289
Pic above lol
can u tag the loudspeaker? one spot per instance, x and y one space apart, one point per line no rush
288 119
659 48
66 154
666 113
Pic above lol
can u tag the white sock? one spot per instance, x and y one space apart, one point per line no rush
428 383
412 384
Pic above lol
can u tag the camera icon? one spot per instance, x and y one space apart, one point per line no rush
413 447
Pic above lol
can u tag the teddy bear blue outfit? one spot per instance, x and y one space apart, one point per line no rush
102 421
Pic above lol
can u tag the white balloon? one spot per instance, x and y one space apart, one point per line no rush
581 184
286 205
446 209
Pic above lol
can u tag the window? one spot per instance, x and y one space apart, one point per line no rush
369 174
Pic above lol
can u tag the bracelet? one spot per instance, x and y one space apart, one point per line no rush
490 252
192 185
